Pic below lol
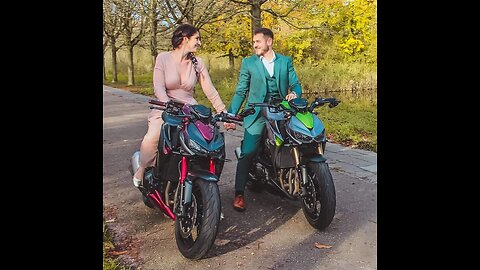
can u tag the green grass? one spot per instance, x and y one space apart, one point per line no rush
109 263
352 123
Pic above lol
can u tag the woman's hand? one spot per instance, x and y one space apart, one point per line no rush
229 126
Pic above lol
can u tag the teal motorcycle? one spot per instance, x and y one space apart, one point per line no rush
291 161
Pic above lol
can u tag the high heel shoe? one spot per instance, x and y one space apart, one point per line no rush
137 182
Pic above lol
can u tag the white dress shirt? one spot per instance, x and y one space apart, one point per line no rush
268 64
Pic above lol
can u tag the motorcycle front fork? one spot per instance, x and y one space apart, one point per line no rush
303 173
186 186
302 170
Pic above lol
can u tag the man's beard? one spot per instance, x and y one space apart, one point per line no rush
262 51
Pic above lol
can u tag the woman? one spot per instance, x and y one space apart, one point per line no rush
174 77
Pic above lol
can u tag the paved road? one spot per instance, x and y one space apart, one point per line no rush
271 234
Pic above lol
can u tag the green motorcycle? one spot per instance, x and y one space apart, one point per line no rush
291 161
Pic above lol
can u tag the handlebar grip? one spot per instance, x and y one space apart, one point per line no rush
158 108
235 118
257 104
172 102
157 102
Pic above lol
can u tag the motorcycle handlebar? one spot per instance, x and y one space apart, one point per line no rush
220 117
275 104
228 118
170 103
158 108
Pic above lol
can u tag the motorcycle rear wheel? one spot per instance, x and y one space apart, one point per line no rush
147 201
206 208
319 204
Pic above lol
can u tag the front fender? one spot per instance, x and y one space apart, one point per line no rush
202 174
191 176
315 158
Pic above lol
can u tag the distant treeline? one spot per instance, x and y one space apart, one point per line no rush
310 31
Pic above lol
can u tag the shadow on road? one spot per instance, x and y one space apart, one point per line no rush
265 213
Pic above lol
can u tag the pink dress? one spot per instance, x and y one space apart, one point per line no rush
173 80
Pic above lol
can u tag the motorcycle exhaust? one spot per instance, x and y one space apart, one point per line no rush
135 162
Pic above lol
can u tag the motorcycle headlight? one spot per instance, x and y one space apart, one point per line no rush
302 137
196 147
320 137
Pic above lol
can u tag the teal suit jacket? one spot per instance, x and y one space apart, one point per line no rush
252 83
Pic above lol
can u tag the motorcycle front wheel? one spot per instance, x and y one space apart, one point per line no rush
196 232
320 201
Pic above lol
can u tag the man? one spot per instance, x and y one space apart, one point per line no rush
262 76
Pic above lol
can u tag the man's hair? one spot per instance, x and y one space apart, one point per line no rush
265 31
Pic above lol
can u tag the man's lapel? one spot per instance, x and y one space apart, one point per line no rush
276 70
259 64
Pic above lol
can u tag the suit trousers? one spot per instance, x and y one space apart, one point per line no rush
250 144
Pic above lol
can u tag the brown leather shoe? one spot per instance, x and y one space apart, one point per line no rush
239 203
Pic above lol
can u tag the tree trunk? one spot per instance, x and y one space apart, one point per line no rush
256 13
153 33
153 49
131 78
114 62
256 16
104 73
105 44
231 59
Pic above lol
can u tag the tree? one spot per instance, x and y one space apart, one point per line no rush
164 16
278 8
159 21
358 27
133 21
112 28
229 38
105 43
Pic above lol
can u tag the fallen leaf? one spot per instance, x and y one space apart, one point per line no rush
318 245
221 242
110 220
116 253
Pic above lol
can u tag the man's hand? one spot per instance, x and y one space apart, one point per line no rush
290 96
228 126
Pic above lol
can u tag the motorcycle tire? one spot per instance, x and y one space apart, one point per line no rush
319 211
207 199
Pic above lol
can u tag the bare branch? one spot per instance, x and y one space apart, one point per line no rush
282 15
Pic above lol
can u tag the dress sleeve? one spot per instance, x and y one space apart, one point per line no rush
208 87
159 79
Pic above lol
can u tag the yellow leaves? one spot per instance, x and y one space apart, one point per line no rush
340 30
352 46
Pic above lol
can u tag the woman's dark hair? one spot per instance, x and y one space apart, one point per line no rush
185 30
